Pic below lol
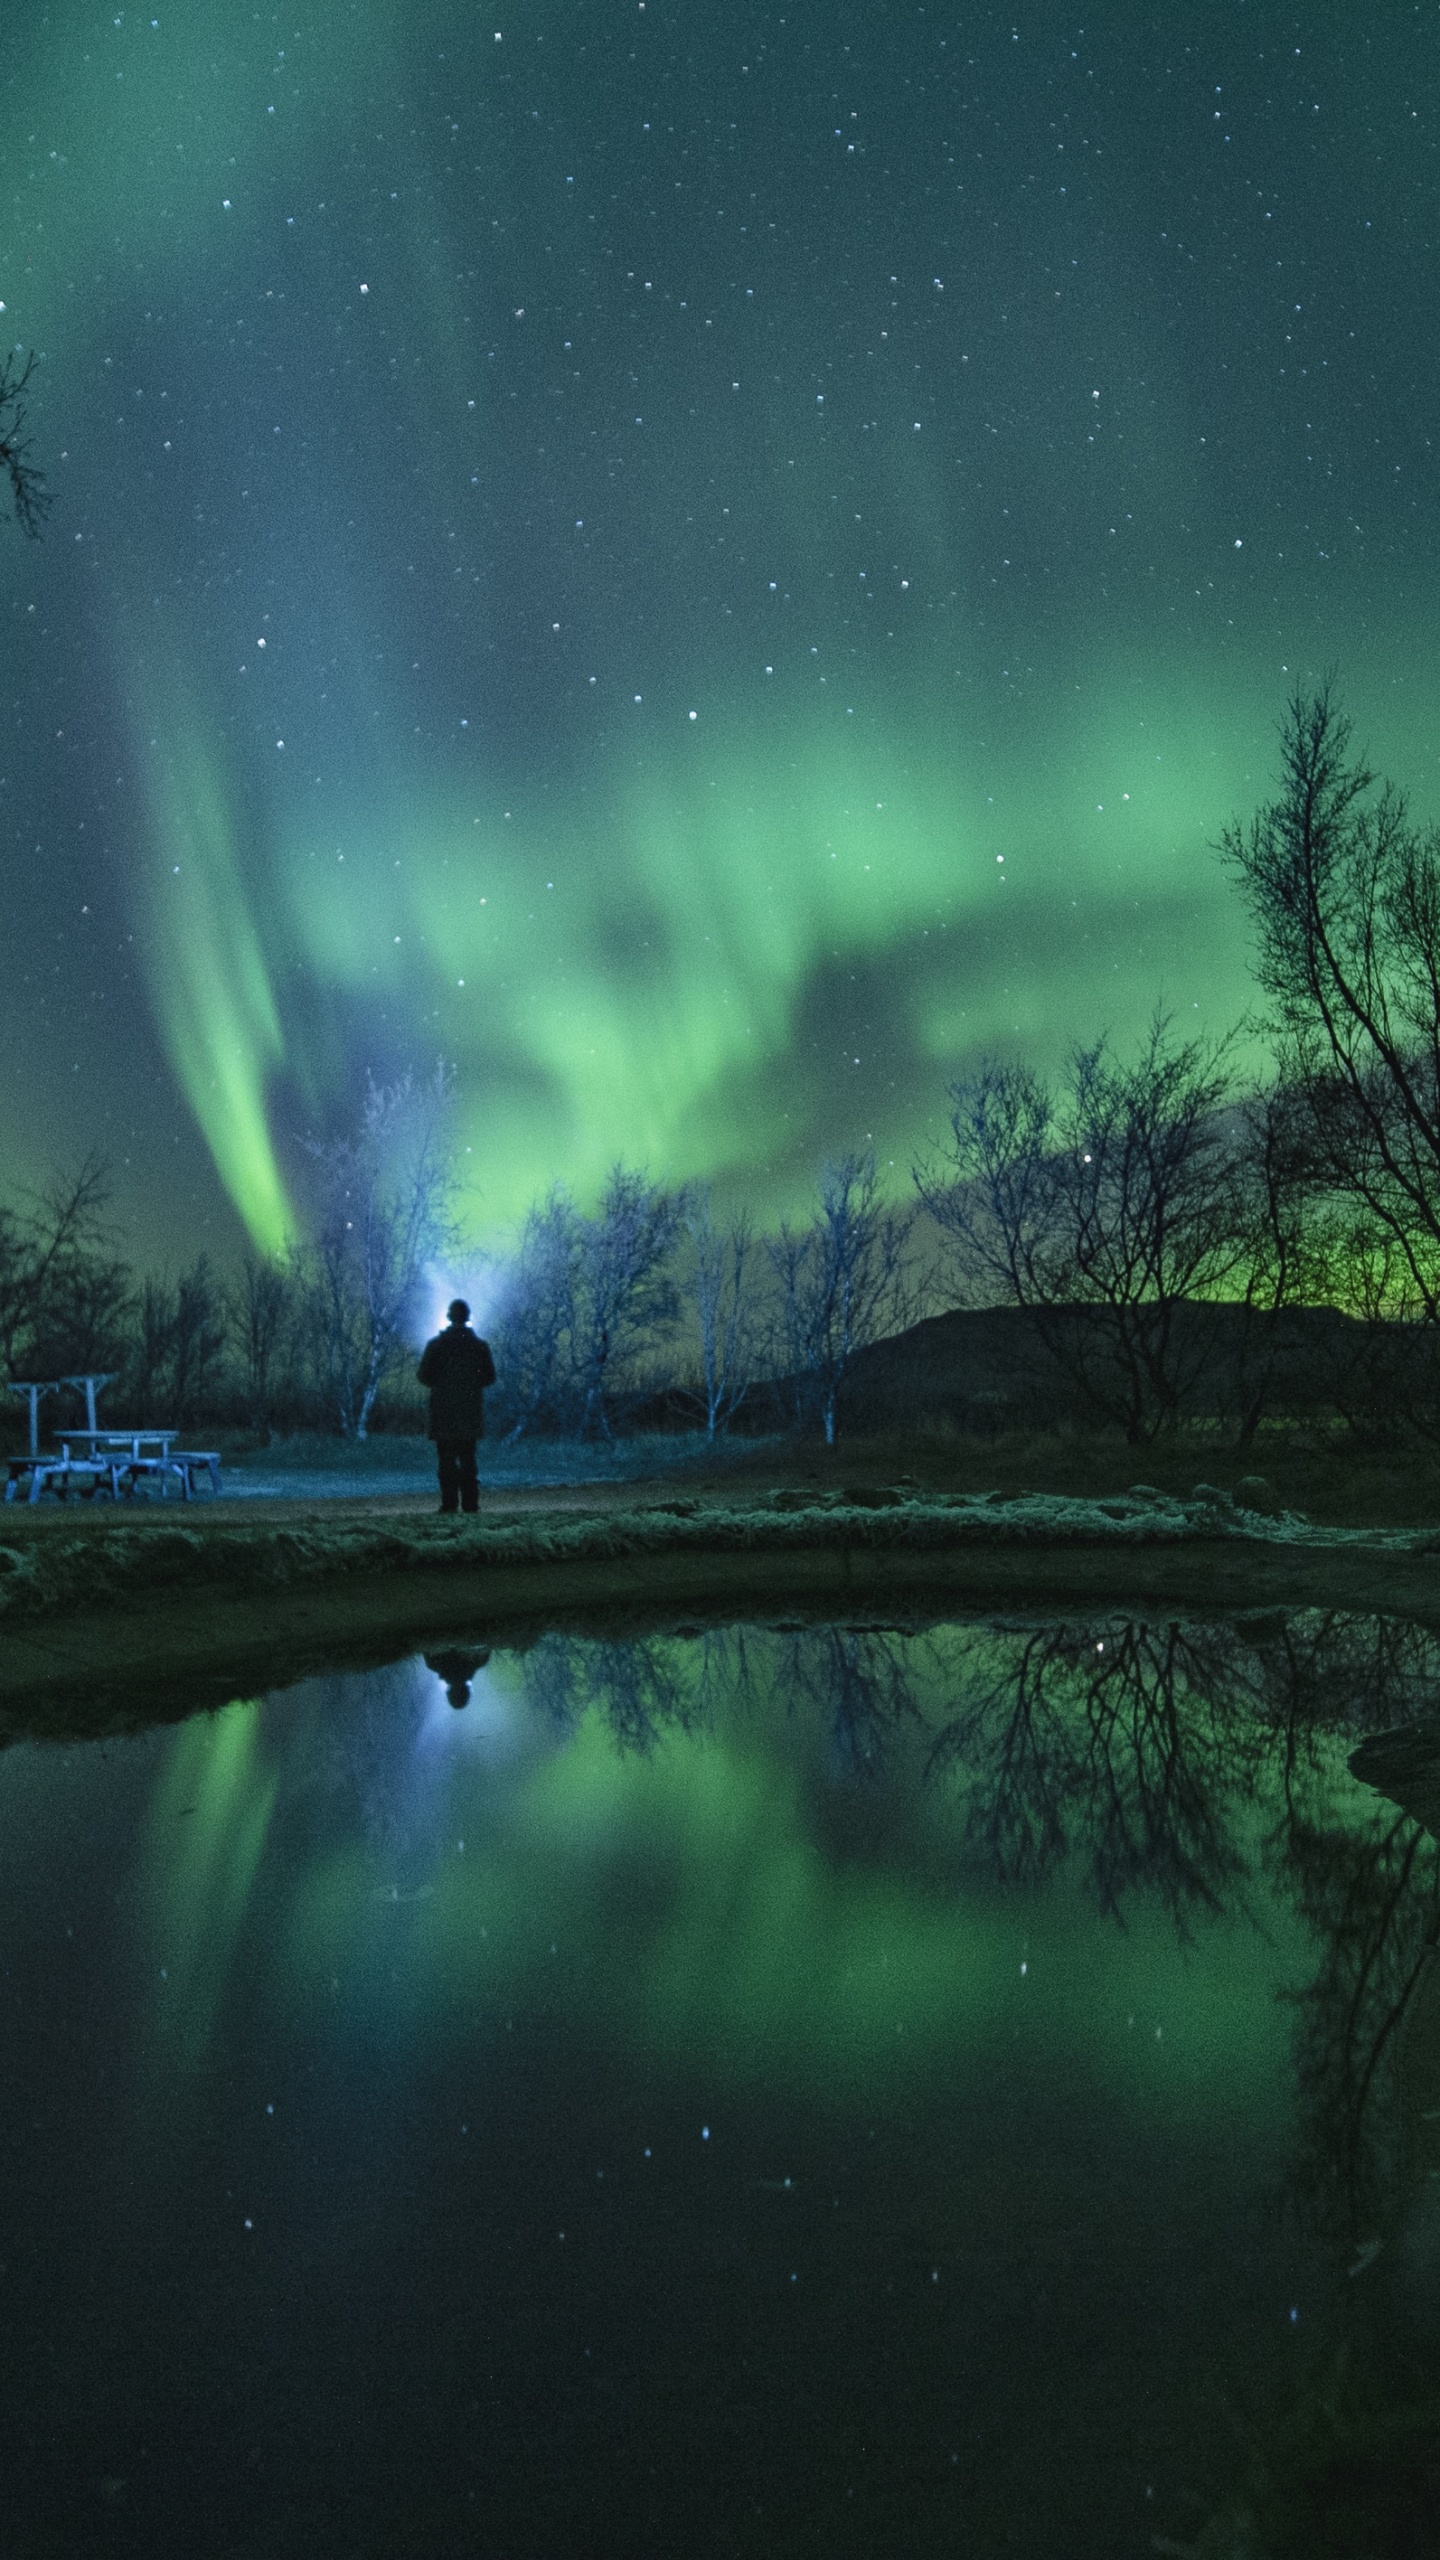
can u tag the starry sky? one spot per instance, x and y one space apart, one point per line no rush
708 564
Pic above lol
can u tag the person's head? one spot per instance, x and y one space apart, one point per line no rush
458 1312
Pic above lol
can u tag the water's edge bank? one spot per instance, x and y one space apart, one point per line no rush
142 1624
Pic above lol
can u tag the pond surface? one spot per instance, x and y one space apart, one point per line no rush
781 2091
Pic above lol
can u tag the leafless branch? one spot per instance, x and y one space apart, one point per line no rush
30 499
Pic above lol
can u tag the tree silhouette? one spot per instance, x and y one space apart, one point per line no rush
1344 890
30 500
844 1283
1114 1210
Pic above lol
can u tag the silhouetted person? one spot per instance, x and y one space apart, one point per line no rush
457 1669
457 1368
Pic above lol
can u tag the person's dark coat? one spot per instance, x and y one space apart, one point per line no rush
457 1368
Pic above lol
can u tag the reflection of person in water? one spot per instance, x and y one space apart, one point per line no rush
457 1368
457 1668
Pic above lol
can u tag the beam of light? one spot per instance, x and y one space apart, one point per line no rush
481 1281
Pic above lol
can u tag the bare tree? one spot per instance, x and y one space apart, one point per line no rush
1113 1211
588 1298
1288 1256
197 1339
535 1330
626 1298
386 1197
262 1313
152 1343
65 1293
179 1331
54 1253
83 1316
1345 893
720 1287
30 500
844 1282
16 1287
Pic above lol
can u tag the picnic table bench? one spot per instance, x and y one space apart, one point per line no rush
90 1459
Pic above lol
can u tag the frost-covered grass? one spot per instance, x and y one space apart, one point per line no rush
312 1467
134 1561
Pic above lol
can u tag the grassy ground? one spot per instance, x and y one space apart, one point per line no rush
1336 1481
526 1461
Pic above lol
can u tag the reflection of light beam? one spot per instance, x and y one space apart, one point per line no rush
487 1727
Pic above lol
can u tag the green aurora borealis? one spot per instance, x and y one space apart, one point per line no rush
705 565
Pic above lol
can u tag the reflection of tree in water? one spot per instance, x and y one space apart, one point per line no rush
864 1680
1153 1753
1149 1752
1126 1744
1369 1893
1142 1748
1145 1748
641 1687
1349 2462
1174 1762
1373 1903
865 1684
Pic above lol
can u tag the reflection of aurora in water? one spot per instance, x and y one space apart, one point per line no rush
818 1815
1020 1969
209 1824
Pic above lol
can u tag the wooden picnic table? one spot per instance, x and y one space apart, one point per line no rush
63 1472
137 1442
94 1455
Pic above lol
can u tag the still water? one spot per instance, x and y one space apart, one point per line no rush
810 2090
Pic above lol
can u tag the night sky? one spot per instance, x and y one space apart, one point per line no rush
705 563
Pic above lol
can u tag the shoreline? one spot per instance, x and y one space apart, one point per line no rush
105 1630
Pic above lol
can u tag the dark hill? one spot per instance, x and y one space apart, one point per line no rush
992 1368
